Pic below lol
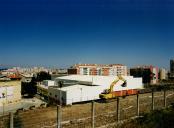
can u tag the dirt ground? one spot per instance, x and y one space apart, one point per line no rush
79 115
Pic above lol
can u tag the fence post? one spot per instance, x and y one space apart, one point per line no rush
3 108
118 109
165 103
152 99
138 105
11 120
58 116
93 114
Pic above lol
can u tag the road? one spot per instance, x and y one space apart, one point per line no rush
23 104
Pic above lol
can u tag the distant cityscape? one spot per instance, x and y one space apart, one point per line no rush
149 73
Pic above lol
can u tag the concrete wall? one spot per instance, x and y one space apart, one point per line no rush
12 92
80 92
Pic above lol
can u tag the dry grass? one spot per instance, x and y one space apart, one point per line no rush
79 115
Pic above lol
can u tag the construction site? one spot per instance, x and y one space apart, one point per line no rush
91 114
90 101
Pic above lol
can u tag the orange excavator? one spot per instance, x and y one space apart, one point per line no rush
110 93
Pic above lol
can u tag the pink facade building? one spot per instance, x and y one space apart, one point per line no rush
100 69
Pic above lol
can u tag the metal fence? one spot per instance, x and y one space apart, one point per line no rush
98 113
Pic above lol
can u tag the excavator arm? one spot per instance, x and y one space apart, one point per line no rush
108 92
125 82
113 84
115 81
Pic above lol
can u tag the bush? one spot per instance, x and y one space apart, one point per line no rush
155 119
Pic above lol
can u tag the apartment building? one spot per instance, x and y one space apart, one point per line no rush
162 74
148 73
101 70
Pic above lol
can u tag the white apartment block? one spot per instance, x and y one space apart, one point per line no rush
103 70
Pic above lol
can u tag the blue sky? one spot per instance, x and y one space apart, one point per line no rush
64 32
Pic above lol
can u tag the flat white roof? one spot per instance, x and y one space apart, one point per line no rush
72 87
87 77
94 80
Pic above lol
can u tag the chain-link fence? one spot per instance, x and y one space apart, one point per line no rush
98 113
